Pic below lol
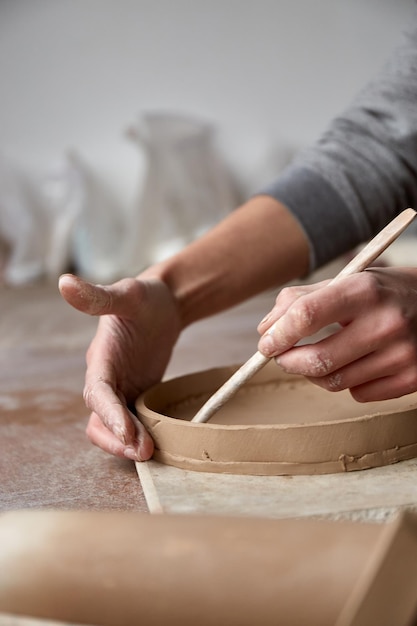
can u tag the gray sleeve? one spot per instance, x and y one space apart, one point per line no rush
363 170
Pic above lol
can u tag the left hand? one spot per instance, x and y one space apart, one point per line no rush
374 354
137 330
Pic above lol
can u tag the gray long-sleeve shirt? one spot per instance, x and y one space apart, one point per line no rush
363 170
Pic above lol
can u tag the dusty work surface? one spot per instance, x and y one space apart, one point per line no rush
46 459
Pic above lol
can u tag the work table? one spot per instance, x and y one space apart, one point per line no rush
46 460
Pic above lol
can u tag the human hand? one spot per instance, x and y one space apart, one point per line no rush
374 354
138 327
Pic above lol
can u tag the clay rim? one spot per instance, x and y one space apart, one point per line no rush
144 409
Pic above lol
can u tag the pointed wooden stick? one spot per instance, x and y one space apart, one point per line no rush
363 259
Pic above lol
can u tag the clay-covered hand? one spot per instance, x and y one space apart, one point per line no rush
373 351
137 329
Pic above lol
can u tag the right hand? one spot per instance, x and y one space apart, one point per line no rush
373 352
137 330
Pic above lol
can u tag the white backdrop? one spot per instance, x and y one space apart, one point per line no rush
268 73
76 72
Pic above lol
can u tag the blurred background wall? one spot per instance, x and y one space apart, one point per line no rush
268 74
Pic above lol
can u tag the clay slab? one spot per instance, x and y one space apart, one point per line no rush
370 495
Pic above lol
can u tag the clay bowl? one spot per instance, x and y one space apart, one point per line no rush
276 424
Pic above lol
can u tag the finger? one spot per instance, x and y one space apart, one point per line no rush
99 299
100 398
284 300
145 441
331 354
100 436
391 362
111 409
83 296
386 388
333 303
103 438
384 331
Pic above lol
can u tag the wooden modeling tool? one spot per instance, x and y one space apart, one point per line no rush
363 259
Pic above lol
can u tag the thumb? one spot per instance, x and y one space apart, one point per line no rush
86 297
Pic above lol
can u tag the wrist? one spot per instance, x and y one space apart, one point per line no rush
158 274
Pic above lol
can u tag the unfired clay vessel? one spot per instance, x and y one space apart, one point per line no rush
276 424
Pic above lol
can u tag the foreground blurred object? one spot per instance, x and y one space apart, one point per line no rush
187 187
122 569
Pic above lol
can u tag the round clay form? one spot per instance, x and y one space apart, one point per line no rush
276 424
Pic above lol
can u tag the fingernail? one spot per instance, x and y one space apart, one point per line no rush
146 448
64 279
281 364
265 319
266 345
132 454
120 433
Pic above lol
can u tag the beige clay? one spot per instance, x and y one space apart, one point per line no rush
276 424
123 569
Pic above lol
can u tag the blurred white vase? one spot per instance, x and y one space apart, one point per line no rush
187 187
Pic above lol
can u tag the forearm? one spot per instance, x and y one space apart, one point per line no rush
259 246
